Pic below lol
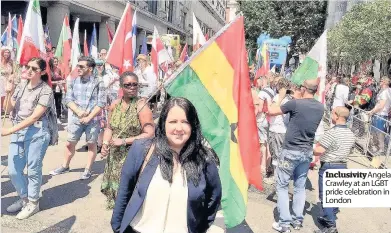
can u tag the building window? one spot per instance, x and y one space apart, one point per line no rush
183 19
169 10
152 6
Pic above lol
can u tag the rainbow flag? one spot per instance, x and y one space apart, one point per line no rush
216 80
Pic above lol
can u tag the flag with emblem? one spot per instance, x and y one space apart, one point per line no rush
63 49
94 44
120 53
32 43
314 67
216 80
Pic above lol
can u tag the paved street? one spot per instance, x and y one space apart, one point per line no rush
71 205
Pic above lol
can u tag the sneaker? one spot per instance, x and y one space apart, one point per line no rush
28 210
323 221
327 230
86 175
58 171
16 206
282 229
296 225
59 121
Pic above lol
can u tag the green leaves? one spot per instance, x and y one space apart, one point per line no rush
302 20
364 33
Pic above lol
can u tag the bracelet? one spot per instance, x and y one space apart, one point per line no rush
124 142
105 143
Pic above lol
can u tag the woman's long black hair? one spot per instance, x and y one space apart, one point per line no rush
194 155
42 65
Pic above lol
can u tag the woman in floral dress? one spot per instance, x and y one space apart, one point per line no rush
129 119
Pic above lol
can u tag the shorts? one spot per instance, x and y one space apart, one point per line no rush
263 130
76 130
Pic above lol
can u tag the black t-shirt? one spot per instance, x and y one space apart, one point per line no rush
305 116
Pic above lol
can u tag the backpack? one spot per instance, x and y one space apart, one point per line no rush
50 114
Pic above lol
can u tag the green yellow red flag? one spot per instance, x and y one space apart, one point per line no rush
216 80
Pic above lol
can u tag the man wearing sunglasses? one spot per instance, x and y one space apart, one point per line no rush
86 97
297 151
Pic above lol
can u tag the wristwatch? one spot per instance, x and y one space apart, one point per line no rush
124 142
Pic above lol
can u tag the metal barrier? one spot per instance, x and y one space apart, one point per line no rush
372 137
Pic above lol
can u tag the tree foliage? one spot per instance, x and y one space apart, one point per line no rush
364 33
302 20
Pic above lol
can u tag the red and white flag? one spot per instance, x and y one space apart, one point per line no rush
159 53
120 53
32 43
85 47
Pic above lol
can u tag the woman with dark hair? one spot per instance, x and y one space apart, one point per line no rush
57 85
129 118
31 105
169 183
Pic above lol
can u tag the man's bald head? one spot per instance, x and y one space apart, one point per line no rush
311 86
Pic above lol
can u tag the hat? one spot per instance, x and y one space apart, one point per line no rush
142 57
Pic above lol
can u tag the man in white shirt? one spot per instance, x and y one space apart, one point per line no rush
341 94
147 78
380 115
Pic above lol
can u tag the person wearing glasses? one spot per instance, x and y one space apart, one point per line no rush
129 119
297 152
85 98
30 136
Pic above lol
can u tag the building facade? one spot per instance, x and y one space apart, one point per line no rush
337 9
169 17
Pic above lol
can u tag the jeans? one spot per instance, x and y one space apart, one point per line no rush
328 213
28 146
292 164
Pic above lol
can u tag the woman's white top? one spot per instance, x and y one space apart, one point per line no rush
165 206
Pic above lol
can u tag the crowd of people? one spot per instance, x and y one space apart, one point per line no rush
155 170
289 121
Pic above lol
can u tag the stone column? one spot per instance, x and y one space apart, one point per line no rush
55 17
103 39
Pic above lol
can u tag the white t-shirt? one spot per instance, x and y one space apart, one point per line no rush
385 95
341 96
278 123
263 95
147 77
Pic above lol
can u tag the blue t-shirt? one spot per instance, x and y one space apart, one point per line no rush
305 116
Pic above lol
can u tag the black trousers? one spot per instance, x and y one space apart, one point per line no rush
57 101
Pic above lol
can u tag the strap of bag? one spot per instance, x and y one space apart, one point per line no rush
146 160
268 92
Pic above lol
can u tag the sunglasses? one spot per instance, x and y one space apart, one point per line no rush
81 66
34 69
128 85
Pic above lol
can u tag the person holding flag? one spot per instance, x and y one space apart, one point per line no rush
148 79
